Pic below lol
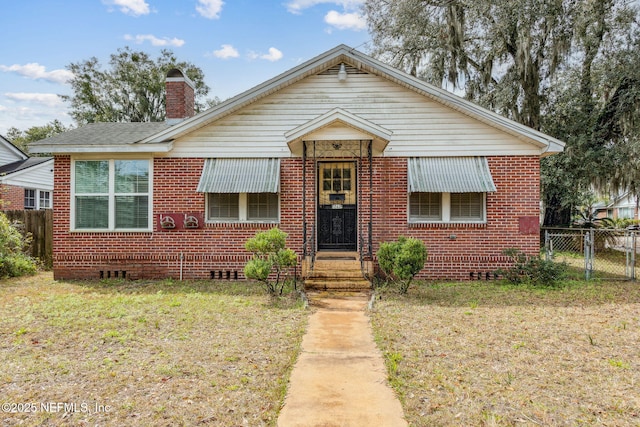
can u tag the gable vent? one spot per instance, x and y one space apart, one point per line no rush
333 71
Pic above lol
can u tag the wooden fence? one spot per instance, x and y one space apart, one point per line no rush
40 225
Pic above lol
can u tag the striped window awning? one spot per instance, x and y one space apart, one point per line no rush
240 176
450 175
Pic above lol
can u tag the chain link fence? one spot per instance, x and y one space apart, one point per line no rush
595 252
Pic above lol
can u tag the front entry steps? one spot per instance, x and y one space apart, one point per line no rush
337 271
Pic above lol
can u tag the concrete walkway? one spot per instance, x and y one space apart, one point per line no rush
340 378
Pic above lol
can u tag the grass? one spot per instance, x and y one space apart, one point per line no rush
219 353
489 354
145 353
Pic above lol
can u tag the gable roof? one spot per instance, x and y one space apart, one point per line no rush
160 139
12 149
368 130
21 165
343 53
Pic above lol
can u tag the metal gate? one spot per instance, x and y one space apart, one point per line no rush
599 253
337 202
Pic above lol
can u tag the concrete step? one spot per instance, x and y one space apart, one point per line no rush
337 285
337 271
336 274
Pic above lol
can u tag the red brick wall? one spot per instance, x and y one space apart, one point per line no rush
180 100
11 197
219 248
464 251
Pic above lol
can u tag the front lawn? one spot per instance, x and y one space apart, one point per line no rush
144 353
485 354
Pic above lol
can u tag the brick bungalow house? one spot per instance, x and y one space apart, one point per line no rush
25 182
341 152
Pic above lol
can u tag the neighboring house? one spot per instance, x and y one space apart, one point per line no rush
622 207
341 152
25 182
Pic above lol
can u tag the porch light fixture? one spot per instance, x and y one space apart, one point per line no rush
342 74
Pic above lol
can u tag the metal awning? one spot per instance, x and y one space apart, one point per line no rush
240 176
450 175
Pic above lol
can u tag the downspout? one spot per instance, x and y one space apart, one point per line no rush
181 264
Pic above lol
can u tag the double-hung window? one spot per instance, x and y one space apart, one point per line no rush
112 194
45 199
30 199
448 189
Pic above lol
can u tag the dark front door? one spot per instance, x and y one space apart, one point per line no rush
337 213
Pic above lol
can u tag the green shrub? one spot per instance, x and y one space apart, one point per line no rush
402 260
532 269
270 254
13 261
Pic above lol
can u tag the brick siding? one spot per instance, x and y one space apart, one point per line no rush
217 250
180 100
11 197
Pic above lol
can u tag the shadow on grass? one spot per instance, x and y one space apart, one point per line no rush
290 298
222 287
502 293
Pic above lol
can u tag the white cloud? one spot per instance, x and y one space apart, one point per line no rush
273 55
345 21
155 41
297 6
46 99
227 51
130 7
210 8
36 71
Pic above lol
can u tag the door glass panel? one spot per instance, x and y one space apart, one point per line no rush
337 178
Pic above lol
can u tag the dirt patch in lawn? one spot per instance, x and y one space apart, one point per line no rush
485 354
144 353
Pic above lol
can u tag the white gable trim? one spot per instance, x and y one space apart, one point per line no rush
367 129
20 155
25 177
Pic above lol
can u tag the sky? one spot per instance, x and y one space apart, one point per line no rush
238 44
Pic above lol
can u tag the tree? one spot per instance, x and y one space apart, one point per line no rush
592 105
556 65
131 90
501 52
22 138
270 254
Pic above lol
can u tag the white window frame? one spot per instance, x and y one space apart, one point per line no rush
243 209
111 196
445 214
41 193
34 198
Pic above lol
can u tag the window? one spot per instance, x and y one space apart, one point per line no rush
224 206
262 206
425 206
626 213
257 207
447 207
467 207
30 199
112 194
45 200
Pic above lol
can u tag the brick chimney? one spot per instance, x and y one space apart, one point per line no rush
180 101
